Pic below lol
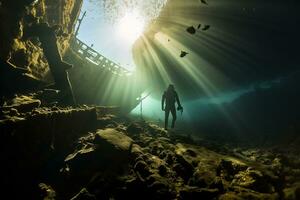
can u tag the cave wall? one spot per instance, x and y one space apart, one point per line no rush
21 54
25 52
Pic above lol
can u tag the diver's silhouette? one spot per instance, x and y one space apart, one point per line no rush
170 96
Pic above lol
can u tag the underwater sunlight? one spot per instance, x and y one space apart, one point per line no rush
112 27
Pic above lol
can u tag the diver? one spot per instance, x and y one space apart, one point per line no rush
170 96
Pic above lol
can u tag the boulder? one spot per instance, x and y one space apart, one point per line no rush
23 104
106 151
292 193
183 168
142 169
112 140
47 192
254 180
134 129
202 177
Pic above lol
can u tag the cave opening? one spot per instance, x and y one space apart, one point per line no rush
112 27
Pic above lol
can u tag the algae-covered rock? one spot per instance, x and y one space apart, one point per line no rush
253 179
24 103
47 192
292 193
110 138
105 148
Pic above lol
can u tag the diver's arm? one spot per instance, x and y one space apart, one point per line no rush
178 101
163 101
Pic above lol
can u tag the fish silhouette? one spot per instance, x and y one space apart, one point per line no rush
191 30
183 53
206 27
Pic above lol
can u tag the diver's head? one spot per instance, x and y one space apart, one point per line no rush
171 87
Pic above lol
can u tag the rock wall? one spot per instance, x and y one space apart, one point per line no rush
94 153
26 52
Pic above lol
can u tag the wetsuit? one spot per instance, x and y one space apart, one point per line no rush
170 97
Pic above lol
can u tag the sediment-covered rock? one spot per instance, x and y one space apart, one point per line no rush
90 153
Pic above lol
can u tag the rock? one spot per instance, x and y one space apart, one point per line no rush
156 148
230 196
113 140
191 153
106 151
162 170
136 151
253 179
156 131
181 171
198 193
142 168
24 104
134 129
48 96
83 195
162 154
14 112
182 138
202 178
183 168
160 188
133 185
169 158
61 126
277 165
228 168
242 194
218 183
47 192
225 169
292 193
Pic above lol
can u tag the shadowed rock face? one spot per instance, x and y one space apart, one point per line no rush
18 16
90 153
22 57
35 38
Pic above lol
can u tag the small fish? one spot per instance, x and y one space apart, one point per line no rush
199 26
191 30
206 27
183 53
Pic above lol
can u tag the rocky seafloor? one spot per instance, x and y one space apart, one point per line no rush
89 152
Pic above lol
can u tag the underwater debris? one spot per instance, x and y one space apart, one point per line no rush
183 54
206 27
191 30
203 2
